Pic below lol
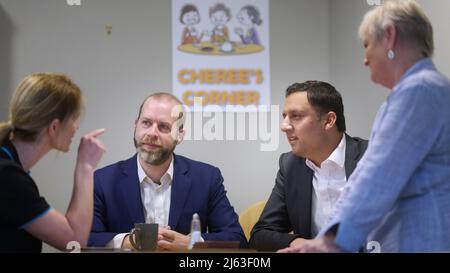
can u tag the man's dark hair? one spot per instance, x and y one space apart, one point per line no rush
323 97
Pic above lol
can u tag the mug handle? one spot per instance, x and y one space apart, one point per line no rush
132 238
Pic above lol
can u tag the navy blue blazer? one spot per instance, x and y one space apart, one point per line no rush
196 188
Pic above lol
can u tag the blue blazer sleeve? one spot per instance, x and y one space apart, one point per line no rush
198 188
223 223
117 201
99 235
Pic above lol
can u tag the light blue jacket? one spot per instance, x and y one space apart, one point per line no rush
399 194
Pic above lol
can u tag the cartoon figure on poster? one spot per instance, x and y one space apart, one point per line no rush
190 17
219 15
249 16
217 41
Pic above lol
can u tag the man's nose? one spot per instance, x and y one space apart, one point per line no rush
286 125
152 131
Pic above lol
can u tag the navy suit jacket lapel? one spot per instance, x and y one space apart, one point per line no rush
130 189
352 153
303 190
181 185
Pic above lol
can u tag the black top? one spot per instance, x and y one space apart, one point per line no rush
20 204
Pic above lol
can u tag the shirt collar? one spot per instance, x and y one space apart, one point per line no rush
166 178
11 151
421 64
337 156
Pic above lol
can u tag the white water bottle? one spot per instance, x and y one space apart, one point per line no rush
196 231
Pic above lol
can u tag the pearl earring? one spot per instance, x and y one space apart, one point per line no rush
391 54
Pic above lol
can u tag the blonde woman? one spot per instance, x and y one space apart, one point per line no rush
44 115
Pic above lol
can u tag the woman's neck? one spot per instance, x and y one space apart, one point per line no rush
30 152
406 59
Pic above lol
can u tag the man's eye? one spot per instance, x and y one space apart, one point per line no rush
164 128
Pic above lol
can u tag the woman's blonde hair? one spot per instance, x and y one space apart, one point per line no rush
412 25
37 101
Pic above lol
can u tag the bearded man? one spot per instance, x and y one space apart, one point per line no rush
157 186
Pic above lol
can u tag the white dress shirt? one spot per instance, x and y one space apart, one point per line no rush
155 201
328 182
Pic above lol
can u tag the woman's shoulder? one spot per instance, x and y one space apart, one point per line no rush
11 171
7 165
427 83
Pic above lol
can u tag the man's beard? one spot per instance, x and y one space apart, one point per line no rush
157 157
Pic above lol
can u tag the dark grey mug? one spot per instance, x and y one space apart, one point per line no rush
144 236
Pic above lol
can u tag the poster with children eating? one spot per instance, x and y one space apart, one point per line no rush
221 53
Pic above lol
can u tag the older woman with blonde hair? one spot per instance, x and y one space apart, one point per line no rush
398 198
44 115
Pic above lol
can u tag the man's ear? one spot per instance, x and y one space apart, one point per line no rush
53 127
180 136
330 120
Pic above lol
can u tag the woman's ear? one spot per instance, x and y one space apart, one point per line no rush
390 36
54 127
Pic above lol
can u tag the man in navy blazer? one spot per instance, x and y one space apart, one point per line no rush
155 185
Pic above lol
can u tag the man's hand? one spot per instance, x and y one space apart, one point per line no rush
297 242
322 244
172 240
126 244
